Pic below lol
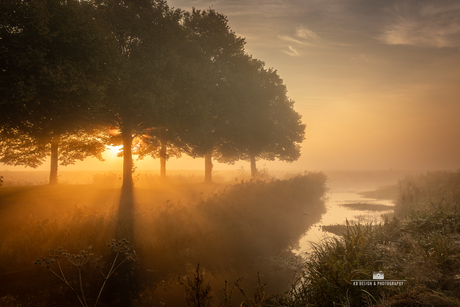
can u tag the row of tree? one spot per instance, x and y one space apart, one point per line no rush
78 75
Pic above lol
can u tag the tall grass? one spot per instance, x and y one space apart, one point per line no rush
228 233
435 190
427 257
326 277
421 245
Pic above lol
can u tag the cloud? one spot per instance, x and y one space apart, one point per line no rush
426 25
291 51
305 33
302 37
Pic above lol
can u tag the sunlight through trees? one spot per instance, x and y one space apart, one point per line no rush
77 76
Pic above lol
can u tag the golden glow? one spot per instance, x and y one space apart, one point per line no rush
375 82
113 131
112 151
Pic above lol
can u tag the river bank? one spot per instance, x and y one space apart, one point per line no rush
416 253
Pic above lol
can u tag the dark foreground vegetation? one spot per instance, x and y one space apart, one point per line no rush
420 244
233 249
233 234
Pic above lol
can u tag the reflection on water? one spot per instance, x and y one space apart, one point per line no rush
337 214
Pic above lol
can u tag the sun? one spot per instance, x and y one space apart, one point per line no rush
112 151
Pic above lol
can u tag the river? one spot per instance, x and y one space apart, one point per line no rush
338 214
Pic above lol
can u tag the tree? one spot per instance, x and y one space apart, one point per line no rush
187 124
19 148
54 65
210 30
157 96
162 145
266 125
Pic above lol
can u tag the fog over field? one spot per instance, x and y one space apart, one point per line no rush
229 153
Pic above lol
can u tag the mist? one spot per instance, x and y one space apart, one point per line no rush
229 153
232 230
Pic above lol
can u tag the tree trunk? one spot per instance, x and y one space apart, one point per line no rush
125 223
163 162
54 158
208 167
127 159
253 166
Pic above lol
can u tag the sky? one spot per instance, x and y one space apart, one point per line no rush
377 82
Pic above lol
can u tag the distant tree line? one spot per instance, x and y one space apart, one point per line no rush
76 76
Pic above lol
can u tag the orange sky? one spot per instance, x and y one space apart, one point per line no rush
377 82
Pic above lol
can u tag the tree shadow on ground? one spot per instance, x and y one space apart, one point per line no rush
125 283
125 218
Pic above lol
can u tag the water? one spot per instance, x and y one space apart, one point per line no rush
337 214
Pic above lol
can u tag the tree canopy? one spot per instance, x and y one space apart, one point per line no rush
220 46
167 81
155 94
54 66
262 123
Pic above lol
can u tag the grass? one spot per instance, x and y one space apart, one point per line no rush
337 229
332 264
421 245
232 232
427 257
229 231
420 249
431 191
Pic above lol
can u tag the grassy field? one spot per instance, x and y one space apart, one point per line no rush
419 248
241 236
232 231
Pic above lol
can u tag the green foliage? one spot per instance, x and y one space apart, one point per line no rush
170 81
20 148
220 48
262 123
157 93
238 226
422 248
54 66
